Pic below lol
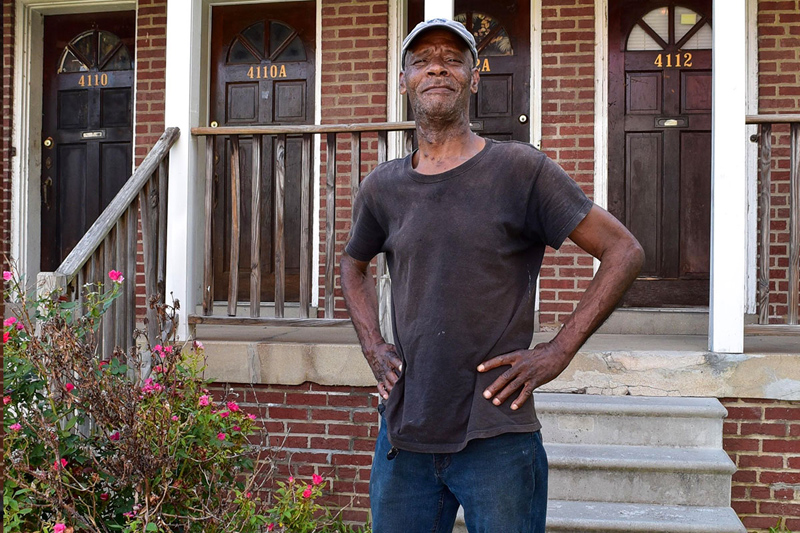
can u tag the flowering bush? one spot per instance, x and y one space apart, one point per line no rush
134 443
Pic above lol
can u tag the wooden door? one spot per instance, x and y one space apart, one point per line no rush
501 108
660 144
86 125
262 58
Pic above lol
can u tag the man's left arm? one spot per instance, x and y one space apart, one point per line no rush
621 258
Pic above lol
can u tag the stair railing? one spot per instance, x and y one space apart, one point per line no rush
112 243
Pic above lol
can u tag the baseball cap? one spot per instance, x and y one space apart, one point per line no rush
446 24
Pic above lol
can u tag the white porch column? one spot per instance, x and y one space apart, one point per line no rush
439 9
728 178
182 101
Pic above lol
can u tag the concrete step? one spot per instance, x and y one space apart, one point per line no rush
657 321
640 474
600 517
630 420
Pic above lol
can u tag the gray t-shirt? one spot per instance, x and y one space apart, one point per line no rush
464 249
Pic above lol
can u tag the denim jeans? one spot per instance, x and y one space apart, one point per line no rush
501 482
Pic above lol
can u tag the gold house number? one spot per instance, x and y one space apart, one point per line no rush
266 72
666 60
93 80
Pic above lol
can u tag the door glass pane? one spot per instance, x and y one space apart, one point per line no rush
685 20
70 63
490 37
120 61
85 45
107 43
294 52
240 54
278 33
255 35
640 40
658 19
700 40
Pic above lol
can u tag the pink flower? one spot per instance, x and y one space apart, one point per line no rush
167 349
7 275
175 418
9 321
248 495
6 336
198 345
69 387
56 464
203 400
116 276
251 416
237 428
223 414
104 497
6 400
20 326
158 368
102 364
233 406
114 436
316 479
271 526
59 528
221 436
15 426
307 492
291 479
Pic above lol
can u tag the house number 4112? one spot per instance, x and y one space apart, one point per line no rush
665 60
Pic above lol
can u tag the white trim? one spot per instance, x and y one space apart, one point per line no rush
316 231
752 158
600 108
536 78
395 102
728 178
25 246
439 9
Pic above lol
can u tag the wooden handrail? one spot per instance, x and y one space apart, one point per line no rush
94 237
305 128
778 118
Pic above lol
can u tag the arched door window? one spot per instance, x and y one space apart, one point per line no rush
491 37
95 50
272 41
689 30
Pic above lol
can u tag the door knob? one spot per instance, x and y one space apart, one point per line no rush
523 119
48 142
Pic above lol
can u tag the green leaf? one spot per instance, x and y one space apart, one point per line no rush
151 527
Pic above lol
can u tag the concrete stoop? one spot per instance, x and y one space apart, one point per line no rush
635 464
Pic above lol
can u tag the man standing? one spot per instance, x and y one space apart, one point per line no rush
464 222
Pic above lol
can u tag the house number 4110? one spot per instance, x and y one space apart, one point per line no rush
665 60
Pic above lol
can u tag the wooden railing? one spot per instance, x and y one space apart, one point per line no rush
256 135
111 243
765 223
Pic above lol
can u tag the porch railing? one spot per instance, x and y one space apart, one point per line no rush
256 134
766 123
111 243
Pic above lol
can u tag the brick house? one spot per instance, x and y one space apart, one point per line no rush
621 94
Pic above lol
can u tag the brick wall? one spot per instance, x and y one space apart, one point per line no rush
151 64
567 137
5 142
353 70
763 438
316 429
779 92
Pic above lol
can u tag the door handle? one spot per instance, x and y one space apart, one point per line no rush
46 186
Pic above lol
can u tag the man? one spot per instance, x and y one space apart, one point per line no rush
464 222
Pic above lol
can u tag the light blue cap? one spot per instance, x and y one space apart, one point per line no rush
446 24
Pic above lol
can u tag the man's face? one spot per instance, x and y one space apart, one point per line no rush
439 75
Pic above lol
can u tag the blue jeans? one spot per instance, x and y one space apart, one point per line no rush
501 482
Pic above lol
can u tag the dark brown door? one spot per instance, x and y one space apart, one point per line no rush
262 58
86 124
501 108
660 144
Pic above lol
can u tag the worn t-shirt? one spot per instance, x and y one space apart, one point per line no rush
464 249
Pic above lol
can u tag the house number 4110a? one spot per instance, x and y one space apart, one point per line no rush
666 60
266 72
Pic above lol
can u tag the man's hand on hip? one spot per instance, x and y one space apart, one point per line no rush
529 369
385 365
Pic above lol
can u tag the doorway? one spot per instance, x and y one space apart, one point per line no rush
659 131
86 124
262 73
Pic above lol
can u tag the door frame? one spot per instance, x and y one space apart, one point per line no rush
27 119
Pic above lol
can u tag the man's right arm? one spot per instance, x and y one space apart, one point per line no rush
358 287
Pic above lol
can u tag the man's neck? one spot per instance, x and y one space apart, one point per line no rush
444 147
